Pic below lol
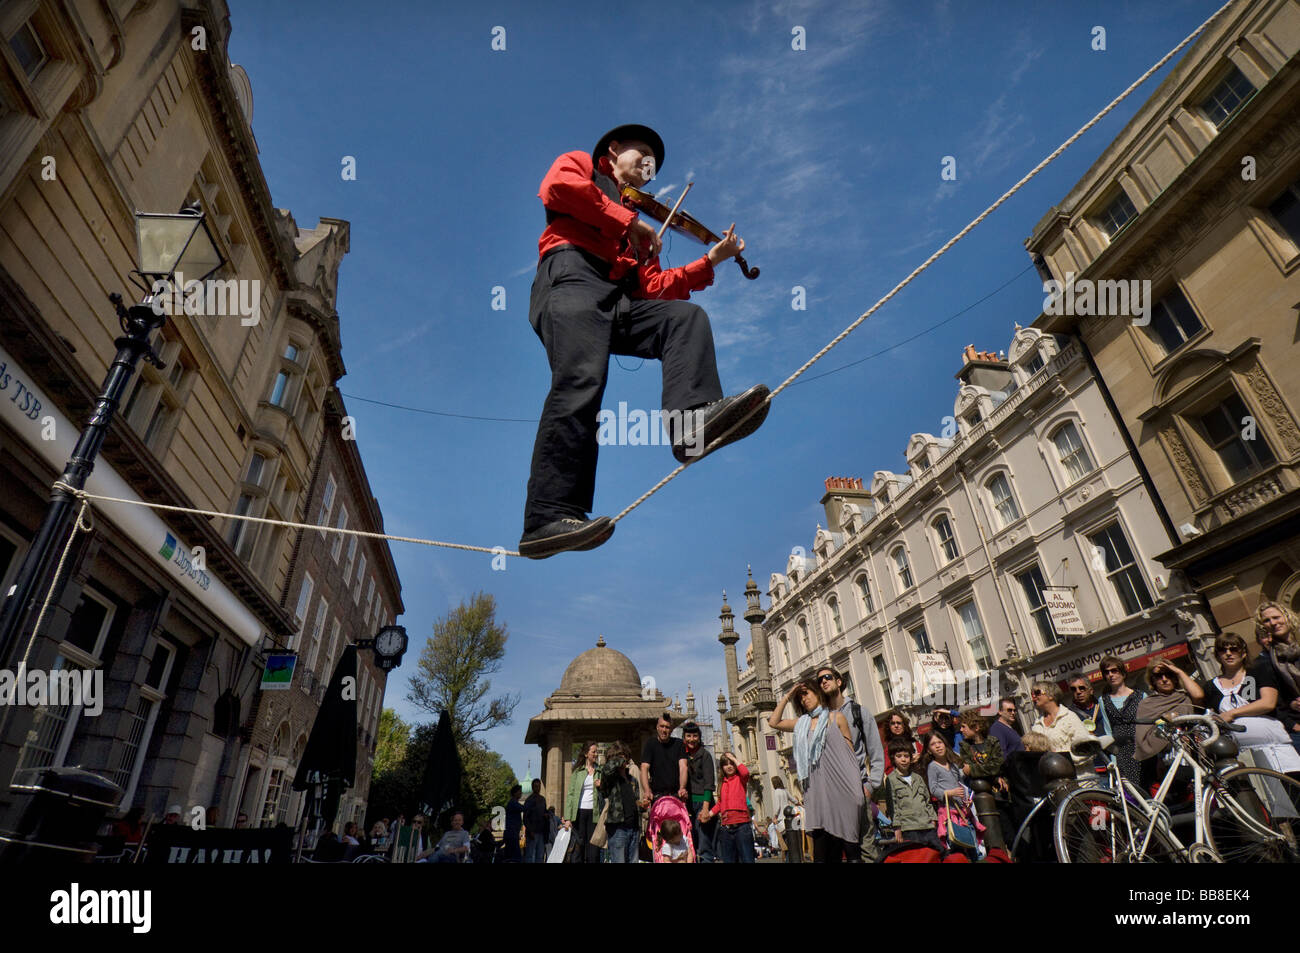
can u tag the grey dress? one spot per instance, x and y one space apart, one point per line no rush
833 799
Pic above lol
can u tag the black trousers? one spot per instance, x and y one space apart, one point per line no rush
582 318
582 851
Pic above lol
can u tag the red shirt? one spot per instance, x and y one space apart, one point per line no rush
589 219
731 798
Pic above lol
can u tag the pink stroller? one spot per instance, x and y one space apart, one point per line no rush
667 807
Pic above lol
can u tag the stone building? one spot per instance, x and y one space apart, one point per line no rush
105 109
600 699
1199 195
342 589
1031 490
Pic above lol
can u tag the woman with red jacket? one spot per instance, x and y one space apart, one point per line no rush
735 844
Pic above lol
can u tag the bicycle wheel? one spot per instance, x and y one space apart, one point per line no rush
1089 828
1252 815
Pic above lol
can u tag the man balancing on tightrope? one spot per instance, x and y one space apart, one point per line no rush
599 291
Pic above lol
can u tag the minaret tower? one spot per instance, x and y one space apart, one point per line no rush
726 729
729 638
754 615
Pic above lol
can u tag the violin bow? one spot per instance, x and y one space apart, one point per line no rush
680 199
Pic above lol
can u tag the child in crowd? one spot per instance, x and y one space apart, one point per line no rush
906 799
1036 741
672 845
983 754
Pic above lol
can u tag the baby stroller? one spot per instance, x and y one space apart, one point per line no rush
664 808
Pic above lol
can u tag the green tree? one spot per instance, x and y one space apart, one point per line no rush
467 645
390 742
486 780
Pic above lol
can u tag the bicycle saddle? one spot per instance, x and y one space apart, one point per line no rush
1093 745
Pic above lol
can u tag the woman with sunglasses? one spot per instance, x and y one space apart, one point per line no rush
896 726
828 770
1276 631
1060 726
1248 697
1170 696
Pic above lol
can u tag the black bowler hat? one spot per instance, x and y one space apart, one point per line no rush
633 131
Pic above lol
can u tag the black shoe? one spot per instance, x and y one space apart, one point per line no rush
566 534
731 419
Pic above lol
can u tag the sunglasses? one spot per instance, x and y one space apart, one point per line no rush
1162 675
1110 671
1230 650
825 678
1037 693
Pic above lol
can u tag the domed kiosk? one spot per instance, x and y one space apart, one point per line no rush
600 699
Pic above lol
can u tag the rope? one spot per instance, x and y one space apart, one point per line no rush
916 272
82 525
948 244
83 495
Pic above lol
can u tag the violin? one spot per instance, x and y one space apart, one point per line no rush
678 221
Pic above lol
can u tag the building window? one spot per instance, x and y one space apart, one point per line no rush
1112 554
899 556
804 644
1223 428
304 597
82 650
864 589
1035 365
1227 97
1031 581
361 571
351 560
1116 215
157 397
979 645
1005 504
289 369
328 667
1173 321
1286 209
28 49
947 542
338 537
256 467
883 680
785 650
922 640
327 502
1073 454
313 647
243 534
142 719
834 605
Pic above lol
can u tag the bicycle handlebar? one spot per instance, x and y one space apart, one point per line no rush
1210 721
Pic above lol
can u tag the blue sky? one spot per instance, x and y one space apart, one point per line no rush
828 159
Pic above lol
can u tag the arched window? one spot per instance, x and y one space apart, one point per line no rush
1074 455
834 605
947 541
803 636
785 650
864 589
899 556
1003 501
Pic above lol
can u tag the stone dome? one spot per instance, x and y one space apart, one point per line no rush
601 671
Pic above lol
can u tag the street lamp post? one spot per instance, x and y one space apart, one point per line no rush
166 244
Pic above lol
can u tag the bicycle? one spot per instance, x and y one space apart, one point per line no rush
1240 814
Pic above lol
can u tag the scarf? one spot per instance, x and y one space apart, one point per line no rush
1283 655
1146 742
807 750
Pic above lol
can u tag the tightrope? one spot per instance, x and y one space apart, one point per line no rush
917 271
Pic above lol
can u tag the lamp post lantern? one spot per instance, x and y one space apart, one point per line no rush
166 244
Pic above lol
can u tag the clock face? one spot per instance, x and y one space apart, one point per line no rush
389 642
